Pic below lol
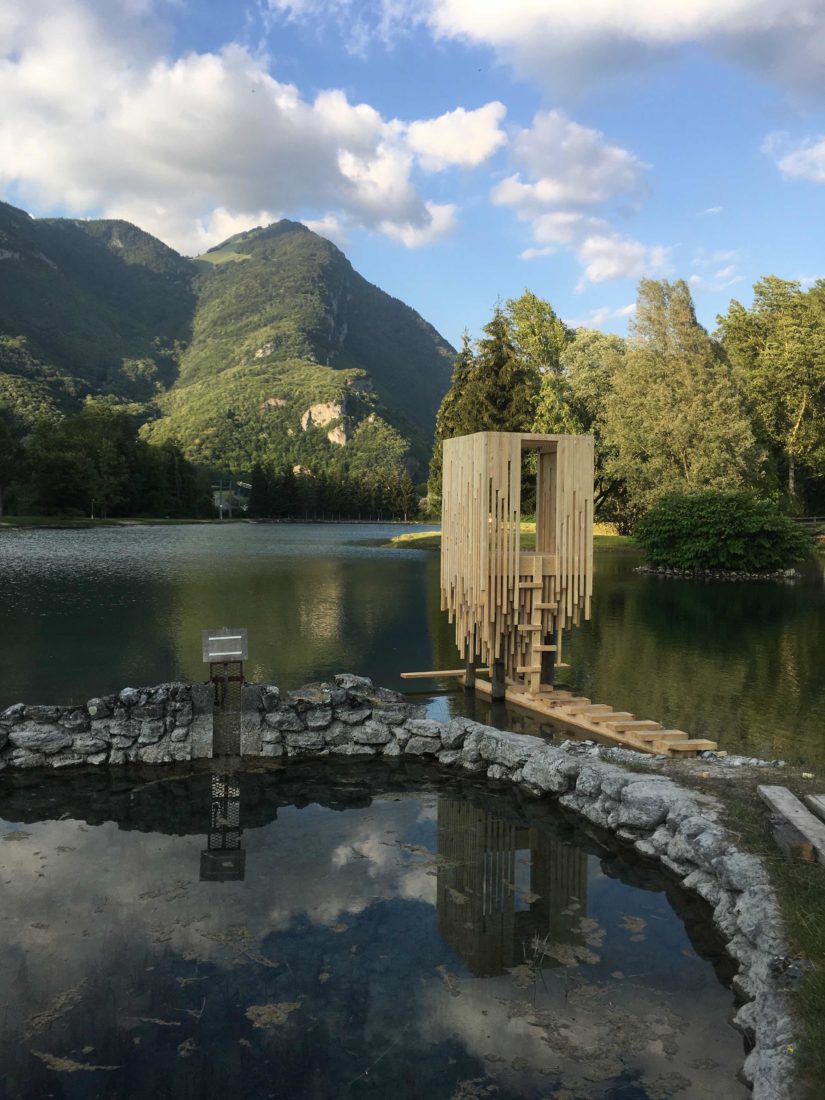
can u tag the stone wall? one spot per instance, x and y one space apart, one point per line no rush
157 725
682 830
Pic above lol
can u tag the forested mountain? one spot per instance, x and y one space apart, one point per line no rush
268 349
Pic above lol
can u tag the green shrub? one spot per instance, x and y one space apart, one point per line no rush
719 530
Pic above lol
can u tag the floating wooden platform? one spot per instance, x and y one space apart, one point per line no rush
600 722
788 806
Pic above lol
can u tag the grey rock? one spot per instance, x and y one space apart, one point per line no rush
96 758
35 738
759 918
644 805
43 714
371 733
180 735
309 696
307 741
120 743
739 870
66 760
4 738
392 716
453 734
182 713
473 733
338 733
423 746
589 782
424 727
772 1071
353 716
150 733
550 770
510 749
318 719
75 721
117 757
448 757
498 771
271 750
149 712
13 714
86 744
129 697
284 719
23 758
350 682
392 749
270 697
154 754
709 845
271 737
401 734
354 750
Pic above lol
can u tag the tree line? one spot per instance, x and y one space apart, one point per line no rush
287 493
95 464
672 408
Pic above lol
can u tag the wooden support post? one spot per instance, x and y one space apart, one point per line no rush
497 681
548 661
470 664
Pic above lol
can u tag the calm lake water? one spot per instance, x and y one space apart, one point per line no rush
335 932
87 612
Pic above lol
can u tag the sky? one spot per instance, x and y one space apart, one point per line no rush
458 151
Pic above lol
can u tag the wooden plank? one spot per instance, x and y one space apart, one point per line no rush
627 726
436 673
590 709
686 747
660 735
816 802
788 805
616 715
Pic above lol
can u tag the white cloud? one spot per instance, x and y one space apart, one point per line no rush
97 119
717 269
613 256
329 226
573 174
572 44
710 211
458 137
803 160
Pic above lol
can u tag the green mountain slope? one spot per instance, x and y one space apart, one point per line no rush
268 348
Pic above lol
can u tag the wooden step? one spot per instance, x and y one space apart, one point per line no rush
626 726
816 802
616 715
588 710
660 735
523 669
686 747
788 805
522 628
564 703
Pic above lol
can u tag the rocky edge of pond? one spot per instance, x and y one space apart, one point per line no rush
718 574
679 828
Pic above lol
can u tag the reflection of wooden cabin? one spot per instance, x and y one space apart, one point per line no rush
510 607
502 885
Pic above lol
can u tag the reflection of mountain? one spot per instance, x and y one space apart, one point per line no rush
504 888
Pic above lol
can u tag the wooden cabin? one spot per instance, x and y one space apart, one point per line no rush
511 607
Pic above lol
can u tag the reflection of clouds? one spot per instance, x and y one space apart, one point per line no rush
70 891
589 1034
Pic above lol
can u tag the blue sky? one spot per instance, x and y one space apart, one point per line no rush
457 150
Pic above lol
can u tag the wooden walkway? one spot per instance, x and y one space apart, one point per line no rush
601 722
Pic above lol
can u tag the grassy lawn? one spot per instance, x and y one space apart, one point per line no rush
431 540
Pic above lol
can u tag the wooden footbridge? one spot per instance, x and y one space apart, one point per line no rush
510 607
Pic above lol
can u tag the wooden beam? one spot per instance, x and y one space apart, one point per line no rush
816 802
436 673
783 802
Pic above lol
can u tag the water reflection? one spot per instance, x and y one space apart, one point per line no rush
505 890
344 964
224 860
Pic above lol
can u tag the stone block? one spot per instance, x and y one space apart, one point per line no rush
75 721
36 738
392 749
309 697
319 718
510 749
498 771
453 734
740 870
423 746
353 716
371 733
13 714
180 735
550 770
24 758
270 696
130 697
284 719
350 682
354 750
182 713
200 736
272 750
99 708
85 744
43 714
391 716
305 741
448 757
149 712
644 805
150 733
424 727
66 760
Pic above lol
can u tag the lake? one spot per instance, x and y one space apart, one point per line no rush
339 931
85 612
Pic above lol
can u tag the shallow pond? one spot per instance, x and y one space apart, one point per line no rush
335 932
83 613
